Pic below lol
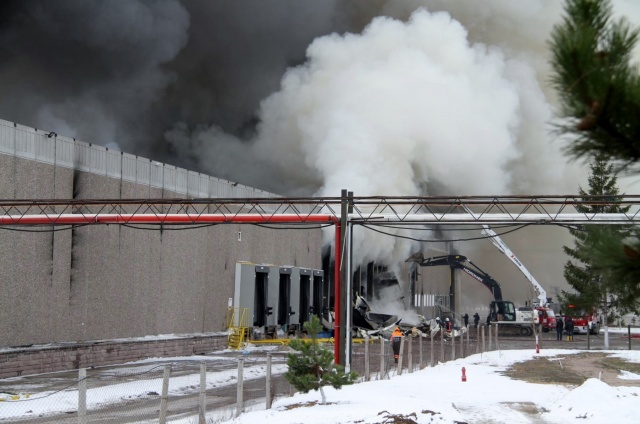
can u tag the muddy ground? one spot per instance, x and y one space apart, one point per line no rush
573 370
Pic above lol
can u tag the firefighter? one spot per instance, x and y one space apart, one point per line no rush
447 324
465 317
476 319
396 340
559 328
439 322
569 326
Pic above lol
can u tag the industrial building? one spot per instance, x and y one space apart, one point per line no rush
77 284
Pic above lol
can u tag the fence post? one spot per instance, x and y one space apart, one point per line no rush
82 396
453 345
490 337
268 380
399 371
202 399
367 373
381 359
483 345
421 357
431 361
164 399
240 400
441 345
468 338
410 363
628 334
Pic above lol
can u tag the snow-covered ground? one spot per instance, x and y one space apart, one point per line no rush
438 395
434 395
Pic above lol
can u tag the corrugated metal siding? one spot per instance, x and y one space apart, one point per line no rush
30 143
65 148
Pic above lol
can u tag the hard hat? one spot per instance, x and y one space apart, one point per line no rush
446 319
437 317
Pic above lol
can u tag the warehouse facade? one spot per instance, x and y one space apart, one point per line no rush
97 282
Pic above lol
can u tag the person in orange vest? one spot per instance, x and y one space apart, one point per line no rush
396 339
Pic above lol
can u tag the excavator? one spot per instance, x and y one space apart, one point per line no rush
503 312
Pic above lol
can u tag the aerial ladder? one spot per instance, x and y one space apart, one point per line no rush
545 313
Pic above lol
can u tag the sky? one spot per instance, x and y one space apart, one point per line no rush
301 97
306 98
486 396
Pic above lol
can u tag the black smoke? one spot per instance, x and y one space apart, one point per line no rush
121 73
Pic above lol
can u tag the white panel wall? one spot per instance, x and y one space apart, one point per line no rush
43 146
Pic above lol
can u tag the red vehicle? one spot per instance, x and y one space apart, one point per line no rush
584 323
547 318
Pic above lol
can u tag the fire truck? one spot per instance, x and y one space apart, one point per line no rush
546 316
503 312
585 322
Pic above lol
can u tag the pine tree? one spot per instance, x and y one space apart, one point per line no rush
592 288
599 92
313 367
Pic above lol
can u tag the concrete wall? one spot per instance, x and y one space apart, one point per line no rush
102 282
47 359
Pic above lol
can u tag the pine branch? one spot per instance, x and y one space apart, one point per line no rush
600 89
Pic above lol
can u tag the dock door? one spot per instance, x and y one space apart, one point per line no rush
284 297
261 309
320 294
305 296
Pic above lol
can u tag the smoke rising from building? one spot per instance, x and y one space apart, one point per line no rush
301 97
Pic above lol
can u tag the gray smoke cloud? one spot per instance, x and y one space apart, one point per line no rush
88 69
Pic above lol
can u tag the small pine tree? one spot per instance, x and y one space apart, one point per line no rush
592 287
598 84
313 367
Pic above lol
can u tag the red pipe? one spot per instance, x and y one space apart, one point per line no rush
336 298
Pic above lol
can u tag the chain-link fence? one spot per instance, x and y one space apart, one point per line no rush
216 387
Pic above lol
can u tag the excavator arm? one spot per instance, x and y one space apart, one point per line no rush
460 262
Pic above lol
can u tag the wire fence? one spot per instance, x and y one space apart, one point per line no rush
213 388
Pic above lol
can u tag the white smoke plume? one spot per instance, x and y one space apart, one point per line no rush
436 97
405 107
